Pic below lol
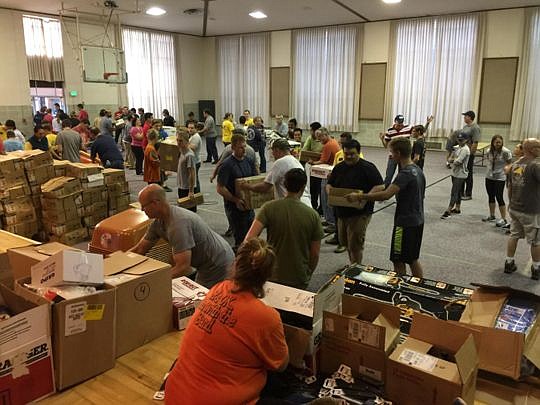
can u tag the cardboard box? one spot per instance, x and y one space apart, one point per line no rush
122 187
97 208
63 216
27 366
321 171
61 228
34 158
83 331
10 241
119 202
93 181
41 174
187 202
61 186
94 219
304 309
10 164
69 266
13 179
253 200
27 229
114 176
336 198
481 314
143 300
94 195
168 155
361 336
411 294
19 210
306 156
416 376
186 297
71 238
82 170
496 392
60 167
11 193
70 202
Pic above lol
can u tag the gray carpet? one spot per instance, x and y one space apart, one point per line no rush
460 250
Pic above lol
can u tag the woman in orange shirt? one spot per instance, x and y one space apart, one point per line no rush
151 159
232 339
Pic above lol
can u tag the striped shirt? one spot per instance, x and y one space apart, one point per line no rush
392 133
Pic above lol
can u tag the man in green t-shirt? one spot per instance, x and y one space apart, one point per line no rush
294 230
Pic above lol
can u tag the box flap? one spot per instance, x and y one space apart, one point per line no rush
53 248
298 342
119 261
369 309
484 307
467 359
289 299
146 266
391 332
532 344
507 290
10 241
353 330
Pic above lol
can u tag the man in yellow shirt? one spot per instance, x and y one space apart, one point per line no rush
227 128
249 120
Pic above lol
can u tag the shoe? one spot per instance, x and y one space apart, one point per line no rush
445 215
214 162
506 226
535 273
490 218
466 198
448 165
332 241
330 229
455 211
340 249
207 161
510 267
500 223
167 189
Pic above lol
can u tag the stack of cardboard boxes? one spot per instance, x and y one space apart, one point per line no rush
117 190
62 210
18 213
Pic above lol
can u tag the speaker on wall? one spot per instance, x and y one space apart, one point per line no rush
207 105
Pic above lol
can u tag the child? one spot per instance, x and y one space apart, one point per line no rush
151 159
460 158
419 146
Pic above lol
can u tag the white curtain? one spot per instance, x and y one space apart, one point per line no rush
324 76
435 68
526 115
151 68
244 74
44 50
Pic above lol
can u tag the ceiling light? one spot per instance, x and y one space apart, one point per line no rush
391 1
258 14
155 11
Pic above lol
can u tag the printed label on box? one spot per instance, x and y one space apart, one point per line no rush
75 318
363 333
371 373
94 312
419 360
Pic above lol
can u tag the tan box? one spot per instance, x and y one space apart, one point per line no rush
502 392
93 181
119 188
168 155
82 170
10 241
253 200
415 376
94 219
97 208
187 202
34 158
481 314
63 216
119 202
321 171
114 176
27 229
10 164
11 193
362 337
336 198
40 175
72 238
70 202
60 167
94 195
13 179
61 186
24 211
19 205
83 331
59 229
306 156
143 299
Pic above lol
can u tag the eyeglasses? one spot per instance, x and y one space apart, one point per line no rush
143 206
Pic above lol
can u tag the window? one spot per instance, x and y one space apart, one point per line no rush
151 68
324 73
244 74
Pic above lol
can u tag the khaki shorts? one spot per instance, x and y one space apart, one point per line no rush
525 226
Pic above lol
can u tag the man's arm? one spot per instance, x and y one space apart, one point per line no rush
225 193
314 251
182 264
191 180
142 247
382 137
260 188
255 229
377 193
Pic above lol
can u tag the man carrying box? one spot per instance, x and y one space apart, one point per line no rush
295 231
354 173
192 241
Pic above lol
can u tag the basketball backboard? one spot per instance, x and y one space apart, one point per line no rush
103 65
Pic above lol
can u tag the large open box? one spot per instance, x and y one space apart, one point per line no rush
25 359
186 297
361 336
481 313
494 392
437 363
168 155
143 299
10 241
252 199
301 312
321 171
83 334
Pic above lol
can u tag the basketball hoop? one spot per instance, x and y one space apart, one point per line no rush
106 75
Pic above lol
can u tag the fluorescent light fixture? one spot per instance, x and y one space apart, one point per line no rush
155 11
391 1
258 14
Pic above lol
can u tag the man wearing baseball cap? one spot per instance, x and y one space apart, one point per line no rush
472 131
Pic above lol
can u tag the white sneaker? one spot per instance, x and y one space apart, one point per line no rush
500 223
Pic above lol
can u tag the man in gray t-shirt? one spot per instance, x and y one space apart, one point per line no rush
193 243
69 143
209 132
472 131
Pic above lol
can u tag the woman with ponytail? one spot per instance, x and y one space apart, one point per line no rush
232 339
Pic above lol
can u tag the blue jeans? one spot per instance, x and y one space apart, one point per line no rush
241 222
328 211
391 167
114 164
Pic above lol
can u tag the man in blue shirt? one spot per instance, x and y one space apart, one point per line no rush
12 143
39 140
106 149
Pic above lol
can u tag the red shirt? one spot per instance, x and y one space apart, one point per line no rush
230 342
329 151
83 115
147 125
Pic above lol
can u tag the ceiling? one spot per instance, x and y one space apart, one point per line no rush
231 16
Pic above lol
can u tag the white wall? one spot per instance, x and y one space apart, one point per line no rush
376 42
280 49
504 33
